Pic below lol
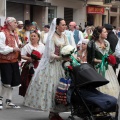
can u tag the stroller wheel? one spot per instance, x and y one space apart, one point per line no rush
70 118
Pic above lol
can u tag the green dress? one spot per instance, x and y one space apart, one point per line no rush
112 88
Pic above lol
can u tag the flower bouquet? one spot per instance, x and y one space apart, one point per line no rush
36 55
67 50
111 60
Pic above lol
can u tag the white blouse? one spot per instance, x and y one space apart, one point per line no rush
5 49
27 49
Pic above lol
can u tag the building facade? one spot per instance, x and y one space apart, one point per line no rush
111 11
114 15
2 11
97 12
43 11
93 12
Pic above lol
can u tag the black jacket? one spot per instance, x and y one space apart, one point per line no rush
112 38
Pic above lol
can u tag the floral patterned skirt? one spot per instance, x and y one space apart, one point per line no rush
112 88
41 91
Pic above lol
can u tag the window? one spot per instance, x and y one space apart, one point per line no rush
68 15
108 1
113 9
51 14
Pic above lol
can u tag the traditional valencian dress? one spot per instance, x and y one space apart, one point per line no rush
83 56
41 91
117 52
26 75
112 88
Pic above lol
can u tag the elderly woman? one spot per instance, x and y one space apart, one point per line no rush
31 64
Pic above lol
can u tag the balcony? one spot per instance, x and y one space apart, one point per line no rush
99 2
115 2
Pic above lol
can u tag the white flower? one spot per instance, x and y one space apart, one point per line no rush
67 50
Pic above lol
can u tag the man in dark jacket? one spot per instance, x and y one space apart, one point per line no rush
113 40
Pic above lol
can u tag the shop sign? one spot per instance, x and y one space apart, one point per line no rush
95 10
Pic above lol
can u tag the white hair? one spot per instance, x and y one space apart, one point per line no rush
9 20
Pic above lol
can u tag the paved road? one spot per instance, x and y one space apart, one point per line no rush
25 113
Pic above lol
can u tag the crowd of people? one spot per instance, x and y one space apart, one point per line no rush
31 60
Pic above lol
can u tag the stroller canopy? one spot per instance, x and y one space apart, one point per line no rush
85 75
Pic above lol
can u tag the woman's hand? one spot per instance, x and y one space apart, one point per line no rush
78 59
58 57
97 60
30 59
16 49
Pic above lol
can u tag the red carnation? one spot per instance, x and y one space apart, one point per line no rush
70 67
26 38
111 60
36 55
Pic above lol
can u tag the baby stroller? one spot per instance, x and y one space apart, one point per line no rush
85 100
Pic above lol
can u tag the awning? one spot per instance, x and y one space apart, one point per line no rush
31 2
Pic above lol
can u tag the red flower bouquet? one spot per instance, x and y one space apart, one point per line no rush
36 55
111 60
70 67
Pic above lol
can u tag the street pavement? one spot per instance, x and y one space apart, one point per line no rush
25 113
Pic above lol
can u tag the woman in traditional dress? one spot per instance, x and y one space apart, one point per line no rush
88 33
42 89
30 65
82 53
97 48
117 53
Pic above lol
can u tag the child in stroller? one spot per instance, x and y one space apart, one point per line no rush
85 100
